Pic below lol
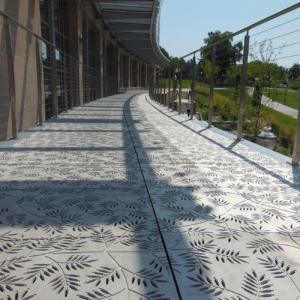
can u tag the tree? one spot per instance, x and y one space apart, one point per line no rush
206 67
262 73
227 53
165 52
295 71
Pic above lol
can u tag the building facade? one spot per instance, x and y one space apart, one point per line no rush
58 54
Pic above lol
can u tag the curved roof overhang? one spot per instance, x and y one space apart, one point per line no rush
135 24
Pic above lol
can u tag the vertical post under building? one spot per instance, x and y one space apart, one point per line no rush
39 81
193 87
212 81
53 58
77 84
159 83
180 88
71 66
101 65
174 86
169 91
65 83
296 152
243 87
54 81
161 88
12 85
165 75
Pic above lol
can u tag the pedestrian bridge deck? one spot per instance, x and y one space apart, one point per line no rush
122 199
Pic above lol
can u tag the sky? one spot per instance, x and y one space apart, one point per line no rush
185 23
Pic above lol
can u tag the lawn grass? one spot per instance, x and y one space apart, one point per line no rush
280 118
292 97
284 126
186 83
284 119
231 92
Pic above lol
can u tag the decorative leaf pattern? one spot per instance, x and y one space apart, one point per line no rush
110 203
258 286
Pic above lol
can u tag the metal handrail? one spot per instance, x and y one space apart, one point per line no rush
156 80
5 15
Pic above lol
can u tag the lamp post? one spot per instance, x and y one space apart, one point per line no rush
287 82
159 89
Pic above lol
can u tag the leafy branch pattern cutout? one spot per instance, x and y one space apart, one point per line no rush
87 214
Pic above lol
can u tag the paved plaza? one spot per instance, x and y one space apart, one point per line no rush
122 199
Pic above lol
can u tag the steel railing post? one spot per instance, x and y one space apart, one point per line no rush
97 86
243 87
159 82
180 88
174 86
88 84
54 81
212 81
161 88
156 89
169 91
150 88
77 84
296 151
165 82
193 87
12 83
153 87
39 81
65 83
71 82
153 84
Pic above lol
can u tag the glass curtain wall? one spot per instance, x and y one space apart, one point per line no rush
88 51
109 70
148 75
132 73
142 75
123 71
55 29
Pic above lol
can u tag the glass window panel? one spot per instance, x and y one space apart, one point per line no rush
44 10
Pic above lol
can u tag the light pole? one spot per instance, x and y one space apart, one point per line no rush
287 82
201 77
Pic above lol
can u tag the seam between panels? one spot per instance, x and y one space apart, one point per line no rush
156 220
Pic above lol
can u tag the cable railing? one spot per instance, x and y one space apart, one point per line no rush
44 80
239 83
